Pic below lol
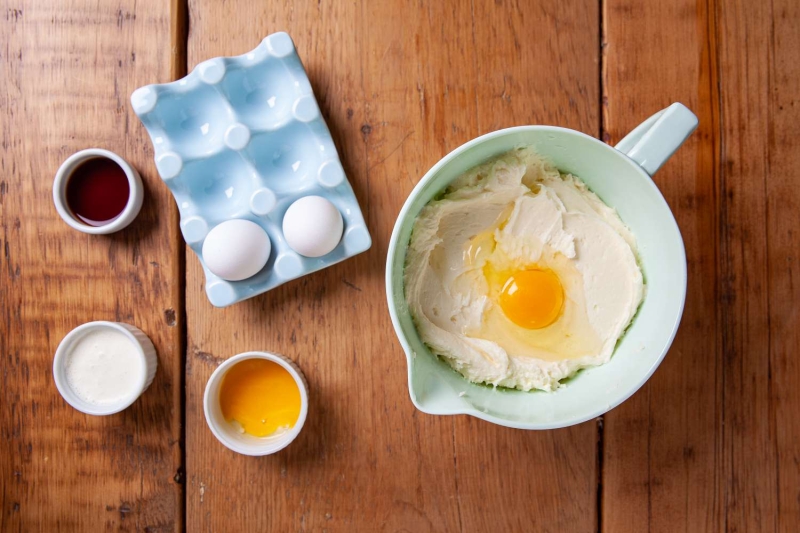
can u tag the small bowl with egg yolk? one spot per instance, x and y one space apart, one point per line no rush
256 403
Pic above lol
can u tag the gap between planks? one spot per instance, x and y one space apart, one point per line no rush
179 38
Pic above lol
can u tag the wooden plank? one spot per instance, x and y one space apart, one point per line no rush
783 255
661 461
66 72
759 51
400 83
748 470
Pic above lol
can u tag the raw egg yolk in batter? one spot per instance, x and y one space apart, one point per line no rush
261 396
532 299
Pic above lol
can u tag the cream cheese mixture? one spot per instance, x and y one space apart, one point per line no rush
520 276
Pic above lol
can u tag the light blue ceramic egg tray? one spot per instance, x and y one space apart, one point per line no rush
242 138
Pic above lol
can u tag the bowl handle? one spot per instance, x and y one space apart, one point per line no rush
654 141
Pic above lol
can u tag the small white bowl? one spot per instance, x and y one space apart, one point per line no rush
140 341
227 434
135 198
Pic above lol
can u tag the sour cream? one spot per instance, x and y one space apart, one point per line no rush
104 367
100 368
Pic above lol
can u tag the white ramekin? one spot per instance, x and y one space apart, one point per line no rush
227 434
128 214
140 341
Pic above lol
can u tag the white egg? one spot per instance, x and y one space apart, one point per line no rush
236 249
313 226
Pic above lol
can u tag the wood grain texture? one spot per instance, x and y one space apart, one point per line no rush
400 84
66 72
783 253
711 442
661 451
759 79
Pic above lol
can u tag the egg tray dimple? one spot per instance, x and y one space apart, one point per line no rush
243 138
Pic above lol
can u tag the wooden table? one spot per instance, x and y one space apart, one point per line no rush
711 443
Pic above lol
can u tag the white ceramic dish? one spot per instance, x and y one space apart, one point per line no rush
621 177
128 214
144 347
227 434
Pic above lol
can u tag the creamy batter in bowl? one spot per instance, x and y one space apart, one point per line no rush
520 276
621 178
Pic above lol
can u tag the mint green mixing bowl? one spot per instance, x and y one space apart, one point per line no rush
621 177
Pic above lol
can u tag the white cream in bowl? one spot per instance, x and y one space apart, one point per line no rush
101 368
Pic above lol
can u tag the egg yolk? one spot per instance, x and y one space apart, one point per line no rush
261 396
532 299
